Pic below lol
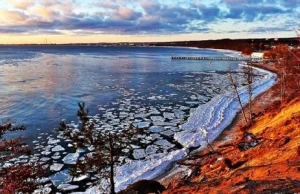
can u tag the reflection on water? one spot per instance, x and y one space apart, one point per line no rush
39 86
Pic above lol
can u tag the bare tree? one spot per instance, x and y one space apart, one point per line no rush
235 87
248 72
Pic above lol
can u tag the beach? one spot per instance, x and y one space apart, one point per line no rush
263 155
229 135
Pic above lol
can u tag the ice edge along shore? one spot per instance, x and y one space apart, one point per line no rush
207 122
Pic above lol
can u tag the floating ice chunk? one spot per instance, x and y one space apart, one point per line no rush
55 157
53 141
175 129
179 114
193 97
157 118
22 161
141 115
80 150
45 190
134 146
81 178
159 123
70 145
156 129
138 153
192 102
142 124
167 133
184 108
151 149
23 157
164 143
60 177
91 148
154 112
45 159
56 167
71 158
203 98
43 180
7 165
38 147
58 148
67 187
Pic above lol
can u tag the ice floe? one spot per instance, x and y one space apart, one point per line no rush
71 158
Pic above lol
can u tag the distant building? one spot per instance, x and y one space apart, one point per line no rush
257 56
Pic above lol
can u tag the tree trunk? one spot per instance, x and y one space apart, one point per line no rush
238 96
111 177
249 77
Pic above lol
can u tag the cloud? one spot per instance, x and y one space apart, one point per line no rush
126 14
20 4
12 17
141 16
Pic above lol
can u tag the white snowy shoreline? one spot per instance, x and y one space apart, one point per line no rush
212 117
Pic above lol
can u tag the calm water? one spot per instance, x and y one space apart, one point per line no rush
40 85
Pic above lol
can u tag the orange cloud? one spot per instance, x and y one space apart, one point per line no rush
12 17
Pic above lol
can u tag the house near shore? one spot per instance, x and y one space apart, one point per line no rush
258 56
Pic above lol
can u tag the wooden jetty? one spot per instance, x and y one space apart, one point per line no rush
217 58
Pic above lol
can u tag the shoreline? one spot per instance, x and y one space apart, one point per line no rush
230 133
214 117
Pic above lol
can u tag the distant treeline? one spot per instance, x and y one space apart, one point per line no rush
237 44
231 44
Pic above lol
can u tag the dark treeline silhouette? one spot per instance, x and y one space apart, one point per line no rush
233 44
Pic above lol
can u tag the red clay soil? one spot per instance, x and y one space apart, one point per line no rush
262 157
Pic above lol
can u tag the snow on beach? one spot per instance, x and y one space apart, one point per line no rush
206 123
214 116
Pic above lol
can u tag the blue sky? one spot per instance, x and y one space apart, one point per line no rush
31 21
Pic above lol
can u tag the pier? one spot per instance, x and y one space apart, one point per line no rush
217 58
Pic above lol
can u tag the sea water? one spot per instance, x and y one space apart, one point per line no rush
41 85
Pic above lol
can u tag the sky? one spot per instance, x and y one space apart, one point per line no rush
90 21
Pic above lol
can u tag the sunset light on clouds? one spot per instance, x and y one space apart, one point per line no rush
69 21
